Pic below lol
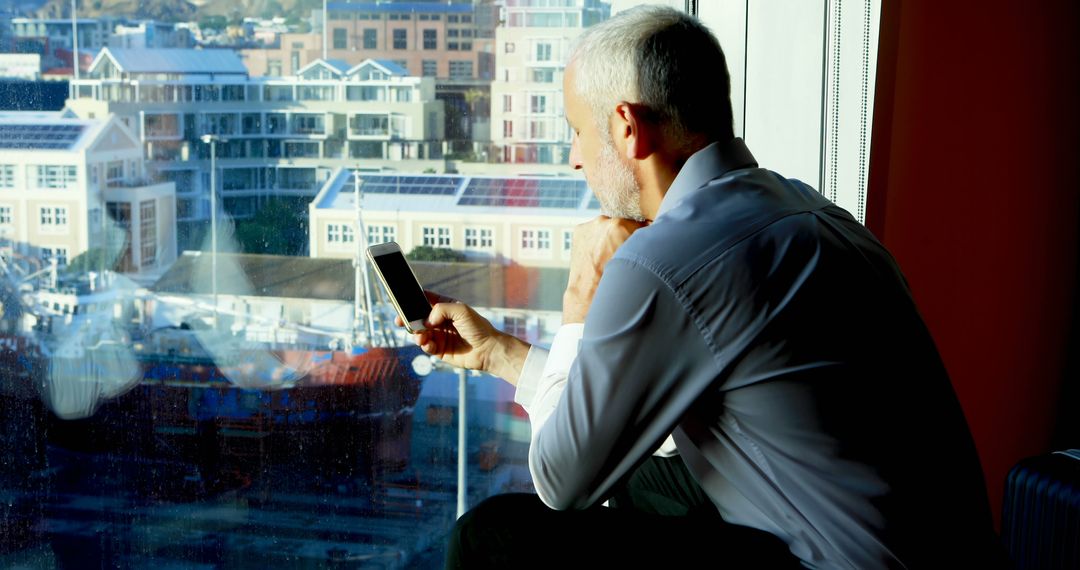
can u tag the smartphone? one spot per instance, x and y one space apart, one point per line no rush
401 283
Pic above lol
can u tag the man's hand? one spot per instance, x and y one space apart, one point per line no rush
594 244
461 337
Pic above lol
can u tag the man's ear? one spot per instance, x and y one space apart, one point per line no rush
637 133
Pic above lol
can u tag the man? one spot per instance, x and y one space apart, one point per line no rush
742 313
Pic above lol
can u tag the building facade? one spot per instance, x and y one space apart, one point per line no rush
520 220
70 185
532 42
277 136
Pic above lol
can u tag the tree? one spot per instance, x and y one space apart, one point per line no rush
428 253
279 228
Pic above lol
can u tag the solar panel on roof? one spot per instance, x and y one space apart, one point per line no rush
418 185
39 137
523 193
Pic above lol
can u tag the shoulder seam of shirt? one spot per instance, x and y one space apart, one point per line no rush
633 259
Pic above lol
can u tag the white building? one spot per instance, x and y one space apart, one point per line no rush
531 43
282 136
521 220
20 66
69 185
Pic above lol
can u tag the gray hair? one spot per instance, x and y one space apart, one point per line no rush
660 58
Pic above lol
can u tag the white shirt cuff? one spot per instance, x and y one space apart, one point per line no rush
543 367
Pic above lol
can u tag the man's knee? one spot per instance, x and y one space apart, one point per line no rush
492 532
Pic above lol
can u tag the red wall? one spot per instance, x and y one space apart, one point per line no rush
974 188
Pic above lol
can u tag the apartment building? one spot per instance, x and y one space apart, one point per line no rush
446 40
275 136
531 42
69 185
521 220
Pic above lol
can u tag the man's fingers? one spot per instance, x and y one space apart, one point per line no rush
442 313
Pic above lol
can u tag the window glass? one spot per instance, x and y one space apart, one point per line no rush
209 378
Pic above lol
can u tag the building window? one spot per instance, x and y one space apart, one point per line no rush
49 176
508 101
509 47
537 129
451 46
543 76
515 326
371 38
340 38
148 232
54 218
339 234
461 69
508 129
451 33
535 241
60 254
381 234
5 215
273 67
452 18
538 104
543 52
400 39
431 39
567 240
430 68
114 171
436 236
7 176
482 239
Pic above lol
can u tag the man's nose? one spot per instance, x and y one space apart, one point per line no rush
575 154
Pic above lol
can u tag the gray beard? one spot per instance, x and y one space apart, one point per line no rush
616 190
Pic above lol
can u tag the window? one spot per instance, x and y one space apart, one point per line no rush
567 240
435 236
339 234
508 129
535 241
273 67
7 176
543 76
509 47
451 33
114 171
461 70
148 232
400 37
340 38
538 129
430 68
381 234
50 176
452 18
5 215
59 254
515 325
480 239
508 101
431 39
371 38
543 52
538 104
53 218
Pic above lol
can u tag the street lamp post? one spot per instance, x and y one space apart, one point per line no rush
424 365
212 140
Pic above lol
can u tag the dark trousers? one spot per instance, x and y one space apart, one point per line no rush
659 517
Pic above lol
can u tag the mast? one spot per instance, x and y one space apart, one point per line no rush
361 271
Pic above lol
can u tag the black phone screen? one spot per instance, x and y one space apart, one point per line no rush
403 286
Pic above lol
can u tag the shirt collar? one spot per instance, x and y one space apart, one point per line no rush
711 162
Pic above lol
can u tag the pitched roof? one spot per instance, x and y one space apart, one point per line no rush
391 67
479 284
337 65
176 60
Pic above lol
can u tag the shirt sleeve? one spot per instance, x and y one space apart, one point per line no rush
640 362
543 379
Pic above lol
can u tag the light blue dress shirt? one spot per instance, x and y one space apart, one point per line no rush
776 340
